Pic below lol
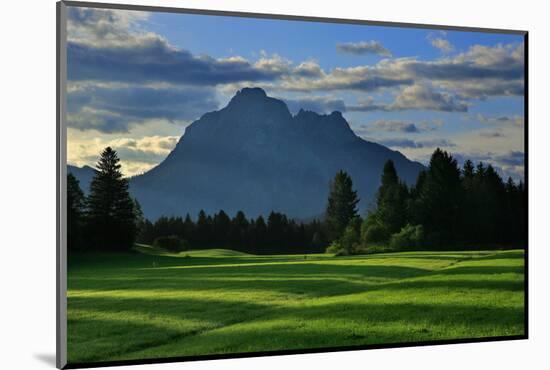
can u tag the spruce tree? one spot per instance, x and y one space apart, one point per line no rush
221 226
260 235
239 228
469 215
111 210
391 199
189 230
390 214
342 204
439 201
139 219
203 229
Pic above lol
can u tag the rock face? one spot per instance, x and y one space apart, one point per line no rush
253 155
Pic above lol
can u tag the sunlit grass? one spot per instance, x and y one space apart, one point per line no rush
153 304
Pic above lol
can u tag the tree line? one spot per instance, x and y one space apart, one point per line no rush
447 207
275 235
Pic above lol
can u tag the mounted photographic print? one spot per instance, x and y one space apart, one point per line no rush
235 185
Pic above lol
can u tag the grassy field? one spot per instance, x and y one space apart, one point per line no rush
149 304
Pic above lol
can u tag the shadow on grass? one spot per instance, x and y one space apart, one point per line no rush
309 279
483 270
248 320
306 279
241 326
449 255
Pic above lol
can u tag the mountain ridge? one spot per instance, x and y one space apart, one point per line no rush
254 155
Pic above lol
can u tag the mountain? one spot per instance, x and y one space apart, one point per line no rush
84 175
254 155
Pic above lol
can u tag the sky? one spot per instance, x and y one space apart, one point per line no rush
136 80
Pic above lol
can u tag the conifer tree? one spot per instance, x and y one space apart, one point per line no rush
342 204
390 214
439 200
111 211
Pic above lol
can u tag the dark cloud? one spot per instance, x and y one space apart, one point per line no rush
396 126
490 134
154 61
342 81
363 47
464 71
408 143
376 83
513 158
114 109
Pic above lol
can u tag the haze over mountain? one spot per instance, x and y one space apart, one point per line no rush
83 174
255 156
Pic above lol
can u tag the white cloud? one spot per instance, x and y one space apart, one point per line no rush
442 44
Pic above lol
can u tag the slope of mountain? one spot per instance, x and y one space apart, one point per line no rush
254 155
83 174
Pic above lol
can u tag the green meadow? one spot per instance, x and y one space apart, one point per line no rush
151 304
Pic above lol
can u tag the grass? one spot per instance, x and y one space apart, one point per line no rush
152 304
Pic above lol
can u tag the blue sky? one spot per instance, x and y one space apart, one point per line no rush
137 79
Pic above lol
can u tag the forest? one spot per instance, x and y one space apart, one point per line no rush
449 207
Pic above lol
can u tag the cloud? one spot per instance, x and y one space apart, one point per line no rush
414 97
363 47
396 126
137 155
111 46
442 44
513 120
408 143
107 45
308 69
367 105
479 73
512 158
431 125
343 79
402 126
319 104
492 134
115 109
106 27
423 97
274 65
154 60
